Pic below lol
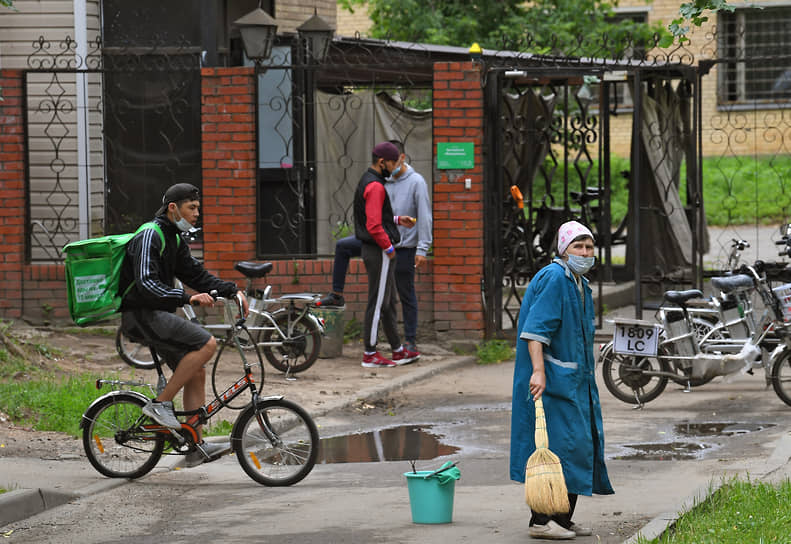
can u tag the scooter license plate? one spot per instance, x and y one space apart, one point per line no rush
634 339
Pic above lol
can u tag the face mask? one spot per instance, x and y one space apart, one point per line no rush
395 172
580 265
385 171
183 225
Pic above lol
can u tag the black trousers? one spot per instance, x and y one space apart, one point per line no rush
564 520
381 298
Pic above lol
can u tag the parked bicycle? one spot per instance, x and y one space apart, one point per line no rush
643 356
289 335
275 440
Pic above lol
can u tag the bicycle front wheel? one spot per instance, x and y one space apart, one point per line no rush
276 442
301 342
115 438
625 376
781 377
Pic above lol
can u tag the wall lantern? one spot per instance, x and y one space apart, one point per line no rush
258 30
316 34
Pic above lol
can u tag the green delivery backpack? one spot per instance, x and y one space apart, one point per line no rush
93 274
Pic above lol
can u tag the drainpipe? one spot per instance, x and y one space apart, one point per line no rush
83 140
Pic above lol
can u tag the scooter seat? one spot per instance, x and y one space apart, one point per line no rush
727 284
680 297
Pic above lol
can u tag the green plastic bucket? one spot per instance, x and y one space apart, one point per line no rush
431 501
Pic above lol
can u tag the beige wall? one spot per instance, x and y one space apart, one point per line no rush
750 135
351 24
292 13
52 19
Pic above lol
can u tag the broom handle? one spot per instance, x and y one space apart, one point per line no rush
542 439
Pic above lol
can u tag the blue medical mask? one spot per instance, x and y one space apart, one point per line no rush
183 225
395 172
580 265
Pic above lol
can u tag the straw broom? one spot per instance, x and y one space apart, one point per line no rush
545 487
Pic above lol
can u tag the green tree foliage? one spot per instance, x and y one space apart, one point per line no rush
564 27
693 12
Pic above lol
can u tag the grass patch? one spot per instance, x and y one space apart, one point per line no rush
37 396
48 403
494 351
220 428
740 511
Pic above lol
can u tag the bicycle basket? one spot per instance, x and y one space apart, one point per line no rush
783 293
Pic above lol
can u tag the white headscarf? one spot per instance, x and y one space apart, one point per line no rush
568 232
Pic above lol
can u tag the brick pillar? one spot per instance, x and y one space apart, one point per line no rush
12 194
229 163
458 212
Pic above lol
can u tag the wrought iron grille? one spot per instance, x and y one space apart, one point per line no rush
107 131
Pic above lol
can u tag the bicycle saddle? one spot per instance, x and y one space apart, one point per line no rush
726 284
253 270
680 297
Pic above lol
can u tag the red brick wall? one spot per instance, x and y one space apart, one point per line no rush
228 153
458 212
229 206
37 292
12 194
448 288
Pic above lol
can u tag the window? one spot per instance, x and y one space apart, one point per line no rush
620 94
756 47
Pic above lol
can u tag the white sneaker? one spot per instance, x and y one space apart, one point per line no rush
162 413
550 531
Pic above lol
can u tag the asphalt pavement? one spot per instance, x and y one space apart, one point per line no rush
650 494
488 506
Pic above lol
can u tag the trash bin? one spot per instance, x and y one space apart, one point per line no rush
332 341
431 494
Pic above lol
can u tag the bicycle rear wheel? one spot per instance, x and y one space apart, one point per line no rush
276 442
132 353
301 343
115 440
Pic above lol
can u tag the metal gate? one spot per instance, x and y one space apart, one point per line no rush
547 128
106 130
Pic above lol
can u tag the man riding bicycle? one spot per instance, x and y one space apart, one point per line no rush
148 309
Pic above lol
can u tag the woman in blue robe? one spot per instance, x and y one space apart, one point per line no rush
554 357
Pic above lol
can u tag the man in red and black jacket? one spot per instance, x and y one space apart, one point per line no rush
376 226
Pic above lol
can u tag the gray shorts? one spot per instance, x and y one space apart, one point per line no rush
172 336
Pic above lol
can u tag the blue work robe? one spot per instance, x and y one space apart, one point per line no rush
552 313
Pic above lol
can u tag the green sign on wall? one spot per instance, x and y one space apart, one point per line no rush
455 155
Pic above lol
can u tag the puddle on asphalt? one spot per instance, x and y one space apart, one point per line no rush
719 429
681 450
669 451
404 443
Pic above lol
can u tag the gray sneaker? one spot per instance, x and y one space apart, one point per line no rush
162 413
206 452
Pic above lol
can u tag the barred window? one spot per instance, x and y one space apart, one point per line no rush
620 94
756 46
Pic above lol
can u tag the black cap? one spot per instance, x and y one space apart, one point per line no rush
177 193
